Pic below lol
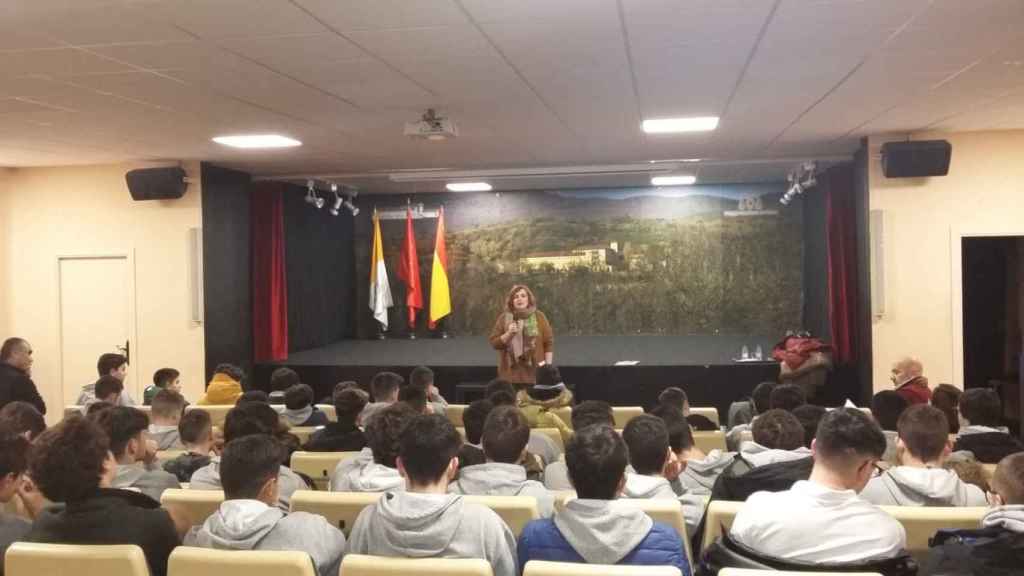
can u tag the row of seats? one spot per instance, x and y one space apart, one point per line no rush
217 411
622 414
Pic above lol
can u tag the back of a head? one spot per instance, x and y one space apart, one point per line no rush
165 376
20 417
1008 480
924 431
778 429
502 398
421 377
10 347
596 457
168 404
231 371
349 403
680 435
108 362
810 416
249 418
384 430
590 412
427 443
253 396
283 378
121 424
886 407
761 396
846 435
549 375
107 386
981 407
247 463
786 397
66 462
92 411
195 426
674 397
499 385
647 439
946 397
506 433
415 397
473 418
13 453
345 385
298 397
384 385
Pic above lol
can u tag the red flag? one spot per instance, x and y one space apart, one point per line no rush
409 271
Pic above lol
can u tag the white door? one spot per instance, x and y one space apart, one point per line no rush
95 307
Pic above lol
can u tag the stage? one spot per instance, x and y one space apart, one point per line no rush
702 365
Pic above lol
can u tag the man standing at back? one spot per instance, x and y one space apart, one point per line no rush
15 374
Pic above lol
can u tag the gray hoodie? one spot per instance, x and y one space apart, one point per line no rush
543 446
12 529
556 476
600 531
88 396
296 417
208 478
907 486
700 475
500 479
252 525
152 483
166 437
1007 517
362 474
415 525
642 487
759 455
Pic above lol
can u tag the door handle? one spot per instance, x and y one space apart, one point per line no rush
126 350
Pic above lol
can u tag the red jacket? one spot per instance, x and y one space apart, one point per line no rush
916 391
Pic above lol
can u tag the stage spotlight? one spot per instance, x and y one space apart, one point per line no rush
336 206
311 197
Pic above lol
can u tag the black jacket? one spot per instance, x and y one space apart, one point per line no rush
336 437
185 465
985 552
989 447
111 516
701 422
16 385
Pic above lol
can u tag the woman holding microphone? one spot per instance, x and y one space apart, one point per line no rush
522 337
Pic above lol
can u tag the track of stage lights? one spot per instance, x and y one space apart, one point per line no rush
340 200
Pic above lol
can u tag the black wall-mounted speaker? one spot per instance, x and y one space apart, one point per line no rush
916 159
156 183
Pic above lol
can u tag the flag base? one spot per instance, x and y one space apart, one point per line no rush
411 335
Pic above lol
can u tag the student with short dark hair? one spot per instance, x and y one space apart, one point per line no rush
281 379
445 525
225 387
165 415
375 470
23 419
505 435
591 528
760 402
886 408
822 520
13 462
163 379
778 437
702 469
248 518
253 396
416 398
135 453
499 385
586 413
786 397
920 479
107 389
299 409
981 430
676 398
473 417
343 435
114 365
195 430
810 416
946 397
503 393
384 389
537 401
72 463
423 377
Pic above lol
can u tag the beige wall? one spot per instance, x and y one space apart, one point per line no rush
51 212
924 221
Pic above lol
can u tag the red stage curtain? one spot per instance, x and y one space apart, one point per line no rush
269 286
842 262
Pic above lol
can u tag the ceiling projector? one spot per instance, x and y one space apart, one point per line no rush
431 127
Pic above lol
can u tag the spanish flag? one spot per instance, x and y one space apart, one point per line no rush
440 295
380 290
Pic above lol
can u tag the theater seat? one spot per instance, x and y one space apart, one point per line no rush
746 436
516 511
198 504
190 561
623 414
363 565
319 465
709 412
31 559
921 523
329 410
989 470
543 568
303 432
719 513
555 437
709 440
454 413
749 572
217 412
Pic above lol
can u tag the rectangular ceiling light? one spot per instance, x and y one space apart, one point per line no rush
468 187
257 141
682 180
673 125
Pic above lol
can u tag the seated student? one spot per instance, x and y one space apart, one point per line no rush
810 416
759 404
224 388
778 437
676 398
980 427
886 408
281 379
165 415
243 420
907 376
374 470
822 520
72 463
137 467
253 396
423 377
786 397
996 548
502 393
114 365
384 389
299 409
591 528
473 417
22 418
946 397
196 433
107 389
586 413
248 519
13 461
416 398
505 435
701 470
537 401
423 520
919 479
343 435
163 379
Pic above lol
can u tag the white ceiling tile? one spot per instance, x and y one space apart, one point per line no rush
56 62
435 43
211 19
283 51
384 14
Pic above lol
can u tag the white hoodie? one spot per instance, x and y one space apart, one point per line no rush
700 475
908 486
758 455
500 479
362 474
1009 517
642 487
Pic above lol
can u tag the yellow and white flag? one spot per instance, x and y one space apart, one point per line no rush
380 290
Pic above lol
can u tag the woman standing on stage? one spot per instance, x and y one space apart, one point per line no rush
522 337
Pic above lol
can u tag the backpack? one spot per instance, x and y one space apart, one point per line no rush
984 552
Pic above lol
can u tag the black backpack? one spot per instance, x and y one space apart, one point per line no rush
985 552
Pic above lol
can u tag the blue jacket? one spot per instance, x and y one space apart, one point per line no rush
542 540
